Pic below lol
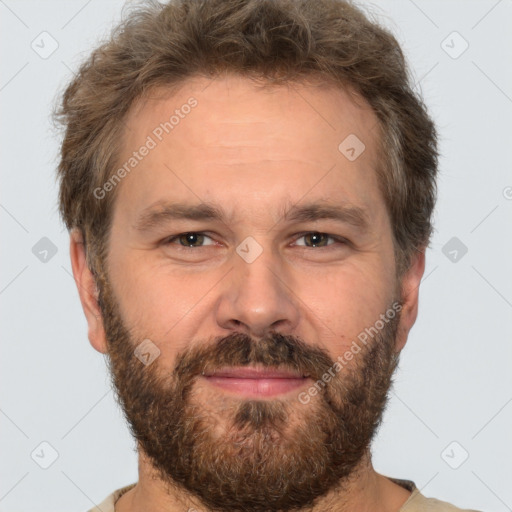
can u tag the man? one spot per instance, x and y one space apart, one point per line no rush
249 187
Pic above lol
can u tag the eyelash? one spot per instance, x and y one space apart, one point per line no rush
338 239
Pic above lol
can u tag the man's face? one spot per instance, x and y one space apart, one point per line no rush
270 283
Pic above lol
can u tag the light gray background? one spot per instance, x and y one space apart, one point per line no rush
454 381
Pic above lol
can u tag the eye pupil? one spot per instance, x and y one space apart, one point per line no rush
313 239
191 239
316 239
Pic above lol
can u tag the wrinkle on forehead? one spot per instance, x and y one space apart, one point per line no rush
242 138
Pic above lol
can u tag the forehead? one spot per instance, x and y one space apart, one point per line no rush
242 107
229 137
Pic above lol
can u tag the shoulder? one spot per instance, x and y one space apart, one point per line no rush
417 502
107 505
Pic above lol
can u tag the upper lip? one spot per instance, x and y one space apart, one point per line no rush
255 373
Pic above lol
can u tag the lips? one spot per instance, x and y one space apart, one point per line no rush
254 373
256 382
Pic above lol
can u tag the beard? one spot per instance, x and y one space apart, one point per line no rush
241 454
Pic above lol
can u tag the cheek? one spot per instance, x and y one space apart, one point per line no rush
345 301
158 309
160 300
161 304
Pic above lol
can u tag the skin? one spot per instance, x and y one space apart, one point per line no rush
254 152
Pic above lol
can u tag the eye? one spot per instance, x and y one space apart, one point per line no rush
190 239
317 239
196 239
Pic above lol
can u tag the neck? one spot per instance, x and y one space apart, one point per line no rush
365 491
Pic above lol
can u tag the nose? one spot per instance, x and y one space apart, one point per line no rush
258 297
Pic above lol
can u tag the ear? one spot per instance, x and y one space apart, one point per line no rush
410 288
88 292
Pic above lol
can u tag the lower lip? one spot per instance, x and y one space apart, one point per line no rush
257 387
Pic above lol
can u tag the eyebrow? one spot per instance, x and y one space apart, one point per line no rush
163 212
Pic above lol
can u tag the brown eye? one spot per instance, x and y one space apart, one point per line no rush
317 239
190 239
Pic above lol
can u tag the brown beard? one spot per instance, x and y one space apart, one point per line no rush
238 454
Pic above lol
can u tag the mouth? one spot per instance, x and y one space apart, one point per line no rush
256 382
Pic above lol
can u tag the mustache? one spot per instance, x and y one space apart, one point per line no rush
274 351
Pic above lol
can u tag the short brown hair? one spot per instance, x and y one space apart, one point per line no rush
277 41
